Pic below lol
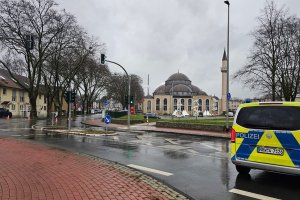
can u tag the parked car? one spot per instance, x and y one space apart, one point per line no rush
5 113
266 136
96 111
152 115
230 114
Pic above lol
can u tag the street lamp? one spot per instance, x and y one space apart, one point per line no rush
227 90
103 60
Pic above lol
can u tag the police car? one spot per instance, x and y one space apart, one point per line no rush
266 136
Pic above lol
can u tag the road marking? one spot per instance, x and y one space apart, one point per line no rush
115 138
192 151
252 195
210 146
150 170
171 141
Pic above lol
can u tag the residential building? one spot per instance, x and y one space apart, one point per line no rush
16 99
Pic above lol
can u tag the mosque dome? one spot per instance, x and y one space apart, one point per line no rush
178 77
160 90
178 84
197 91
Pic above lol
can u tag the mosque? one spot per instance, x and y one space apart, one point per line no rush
179 97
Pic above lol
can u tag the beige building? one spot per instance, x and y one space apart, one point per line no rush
178 94
16 99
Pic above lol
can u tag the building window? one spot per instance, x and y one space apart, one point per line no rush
207 104
21 96
45 107
157 104
175 104
165 104
40 96
4 90
149 106
21 107
182 104
216 106
190 105
200 105
14 95
45 99
13 107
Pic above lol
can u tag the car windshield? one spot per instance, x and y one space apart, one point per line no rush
270 117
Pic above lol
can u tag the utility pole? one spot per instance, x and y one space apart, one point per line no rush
227 94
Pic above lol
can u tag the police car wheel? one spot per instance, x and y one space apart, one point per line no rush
242 169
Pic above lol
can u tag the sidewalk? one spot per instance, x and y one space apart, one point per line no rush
153 128
33 171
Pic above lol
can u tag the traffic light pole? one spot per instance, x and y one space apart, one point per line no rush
69 118
129 79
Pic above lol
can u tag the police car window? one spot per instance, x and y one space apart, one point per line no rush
270 117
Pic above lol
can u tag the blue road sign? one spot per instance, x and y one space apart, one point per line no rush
107 119
228 96
106 102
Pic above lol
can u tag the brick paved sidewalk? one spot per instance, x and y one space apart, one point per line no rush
32 171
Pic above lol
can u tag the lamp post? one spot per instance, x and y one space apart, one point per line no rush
227 88
129 79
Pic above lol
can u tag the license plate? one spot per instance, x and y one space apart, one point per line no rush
270 150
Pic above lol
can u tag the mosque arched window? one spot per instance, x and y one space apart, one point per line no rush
149 106
207 104
157 104
165 104
200 105
190 105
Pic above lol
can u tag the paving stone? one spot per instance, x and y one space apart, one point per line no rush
32 171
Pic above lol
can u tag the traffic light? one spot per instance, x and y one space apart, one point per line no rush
73 96
131 101
131 110
67 96
102 58
29 42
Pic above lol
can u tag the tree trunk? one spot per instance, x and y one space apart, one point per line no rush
33 112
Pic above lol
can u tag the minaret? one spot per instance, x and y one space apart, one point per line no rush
224 70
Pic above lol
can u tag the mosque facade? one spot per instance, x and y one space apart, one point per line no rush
178 94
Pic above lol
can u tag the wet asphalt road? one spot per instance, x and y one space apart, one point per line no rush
199 166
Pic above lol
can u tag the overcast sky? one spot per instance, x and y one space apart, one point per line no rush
160 37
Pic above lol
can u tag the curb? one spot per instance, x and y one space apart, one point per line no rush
220 135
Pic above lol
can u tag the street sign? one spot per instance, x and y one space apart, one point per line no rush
228 96
107 119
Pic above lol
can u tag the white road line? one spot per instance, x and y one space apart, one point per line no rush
150 170
171 141
210 146
252 195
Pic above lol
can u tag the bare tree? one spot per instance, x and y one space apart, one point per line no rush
91 82
289 69
264 60
74 48
39 18
118 88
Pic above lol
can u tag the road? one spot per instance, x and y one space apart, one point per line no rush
197 166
